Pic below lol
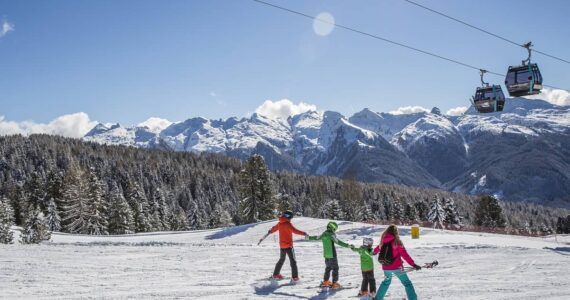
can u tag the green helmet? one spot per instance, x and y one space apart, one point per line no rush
332 226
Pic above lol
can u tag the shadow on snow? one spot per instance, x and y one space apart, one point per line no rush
229 231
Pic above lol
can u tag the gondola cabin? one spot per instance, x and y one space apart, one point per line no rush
489 99
523 80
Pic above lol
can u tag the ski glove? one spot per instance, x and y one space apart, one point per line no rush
417 267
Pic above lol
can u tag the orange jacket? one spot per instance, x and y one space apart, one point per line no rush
286 230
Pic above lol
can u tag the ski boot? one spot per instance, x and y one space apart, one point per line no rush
362 294
277 277
326 283
295 280
335 286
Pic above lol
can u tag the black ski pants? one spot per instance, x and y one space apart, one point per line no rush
331 265
368 281
292 260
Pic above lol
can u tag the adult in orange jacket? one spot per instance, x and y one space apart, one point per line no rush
286 230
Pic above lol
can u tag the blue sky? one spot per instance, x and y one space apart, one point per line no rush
126 61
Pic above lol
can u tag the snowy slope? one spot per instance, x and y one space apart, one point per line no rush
227 264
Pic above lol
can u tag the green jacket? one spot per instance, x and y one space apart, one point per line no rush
329 239
366 258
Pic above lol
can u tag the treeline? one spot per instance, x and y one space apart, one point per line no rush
73 186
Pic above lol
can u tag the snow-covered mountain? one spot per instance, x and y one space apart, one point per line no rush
521 153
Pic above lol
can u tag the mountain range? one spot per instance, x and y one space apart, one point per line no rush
521 153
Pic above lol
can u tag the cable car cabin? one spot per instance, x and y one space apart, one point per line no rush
523 80
489 99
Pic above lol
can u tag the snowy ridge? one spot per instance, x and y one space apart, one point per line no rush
227 264
445 149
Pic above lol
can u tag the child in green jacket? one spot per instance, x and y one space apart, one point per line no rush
367 267
329 251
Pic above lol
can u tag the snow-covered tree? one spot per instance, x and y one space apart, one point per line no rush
35 191
283 202
410 212
398 210
220 217
563 225
178 220
6 221
333 210
139 204
120 213
365 214
52 217
422 210
489 213
436 214
256 192
451 215
96 221
35 229
159 210
75 211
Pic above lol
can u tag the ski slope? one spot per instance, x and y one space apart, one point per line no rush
228 264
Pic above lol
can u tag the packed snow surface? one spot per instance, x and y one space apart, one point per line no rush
228 264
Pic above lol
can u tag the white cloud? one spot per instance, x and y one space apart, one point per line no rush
5 28
283 108
457 111
73 125
409 110
558 97
213 94
156 124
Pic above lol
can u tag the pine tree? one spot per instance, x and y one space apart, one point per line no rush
365 214
35 191
139 204
398 210
489 213
36 228
120 213
6 221
436 214
283 202
333 210
422 210
178 221
351 201
255 186
220 217
451 215
75 211
96 222
410 213
53 218
563 225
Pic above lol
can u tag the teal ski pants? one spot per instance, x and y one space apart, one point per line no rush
410 292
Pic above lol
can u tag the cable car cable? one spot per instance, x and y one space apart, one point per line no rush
384 39
484 31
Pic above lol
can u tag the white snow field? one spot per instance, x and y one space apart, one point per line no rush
228 264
